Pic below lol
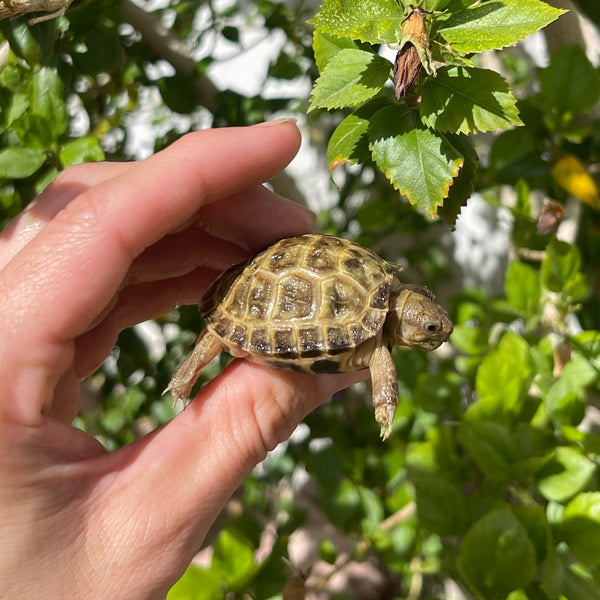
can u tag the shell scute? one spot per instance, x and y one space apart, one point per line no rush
260 342
321 261
296 298
259 298
285 343
380 297
284 256
239 335
307 301
338 340
341 299
311 342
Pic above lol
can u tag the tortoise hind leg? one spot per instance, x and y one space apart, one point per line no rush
385 388
187 373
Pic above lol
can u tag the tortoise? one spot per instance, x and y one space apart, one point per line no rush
316 304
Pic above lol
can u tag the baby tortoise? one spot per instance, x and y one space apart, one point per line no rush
316 304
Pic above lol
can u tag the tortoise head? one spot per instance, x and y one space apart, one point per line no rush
417 320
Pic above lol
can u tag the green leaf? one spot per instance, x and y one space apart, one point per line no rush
420 163
46 100
372 509
197 584
33 43
560 267
33 131
81 150
350 78
233 557
497 555
509 147
441 505
468 100
373 21
18 163
349 142
495 24
534 520
502 380
523 287
561 578
104 54
566 400
491 446
464 183
565 475
570 84
326 46
581 527
448 56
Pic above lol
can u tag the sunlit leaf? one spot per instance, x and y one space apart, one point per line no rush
326 46
581 527
420 163
81 150
468 100
372 21
349 142
350 78
565 475
495 24
17 163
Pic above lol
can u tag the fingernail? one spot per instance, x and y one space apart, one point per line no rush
279 121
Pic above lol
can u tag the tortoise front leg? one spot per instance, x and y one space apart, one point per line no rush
187 373
385 388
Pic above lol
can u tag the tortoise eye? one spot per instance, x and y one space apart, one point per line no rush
431 328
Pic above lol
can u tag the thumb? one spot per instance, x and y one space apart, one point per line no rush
185 472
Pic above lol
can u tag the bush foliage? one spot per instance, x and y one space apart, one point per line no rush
488 486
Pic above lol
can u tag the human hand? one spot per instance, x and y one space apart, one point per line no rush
104 247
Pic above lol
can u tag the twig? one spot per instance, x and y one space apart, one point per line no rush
16 8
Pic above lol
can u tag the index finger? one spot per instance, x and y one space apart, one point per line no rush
69 272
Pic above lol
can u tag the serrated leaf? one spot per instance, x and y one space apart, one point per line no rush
420 163
350 78
464 183
496 555
326 46
18 163
468 100
349 142
373 21
447 55
495 24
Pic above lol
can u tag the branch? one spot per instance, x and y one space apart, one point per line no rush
16 8
168 46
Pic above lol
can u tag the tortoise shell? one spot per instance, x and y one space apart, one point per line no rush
304 303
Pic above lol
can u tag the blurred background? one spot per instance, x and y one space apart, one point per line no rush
495 432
